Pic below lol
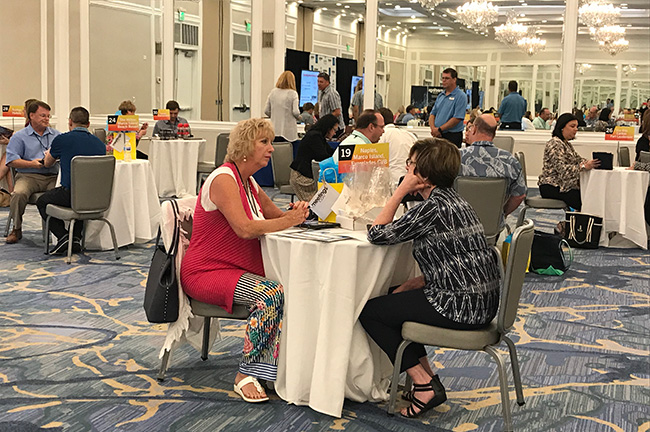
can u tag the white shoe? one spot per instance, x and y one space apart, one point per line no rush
258 387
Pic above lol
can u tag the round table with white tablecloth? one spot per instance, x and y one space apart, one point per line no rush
134 211
617 196
325 354
174 165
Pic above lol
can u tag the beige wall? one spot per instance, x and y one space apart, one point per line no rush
215 77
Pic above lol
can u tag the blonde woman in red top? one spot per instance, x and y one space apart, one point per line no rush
223 264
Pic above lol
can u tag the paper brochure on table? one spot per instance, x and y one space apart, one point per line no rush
321 236
119 141
321 203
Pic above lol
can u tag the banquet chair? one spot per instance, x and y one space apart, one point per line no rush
624 156
538 203
91 190
101 134
205 310
486 196
281 158
644 157
486 339
315 170
203 169
506 143
32 200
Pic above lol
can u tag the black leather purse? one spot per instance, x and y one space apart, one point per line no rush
161 293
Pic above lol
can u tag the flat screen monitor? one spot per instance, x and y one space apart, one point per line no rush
355 80
308 87
419 96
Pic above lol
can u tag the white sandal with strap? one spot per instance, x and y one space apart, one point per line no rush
258 387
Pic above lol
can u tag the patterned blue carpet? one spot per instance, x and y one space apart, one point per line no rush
76 354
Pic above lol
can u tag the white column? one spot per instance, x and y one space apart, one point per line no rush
568 64
168 13
43 57
617 95
61 61
370 65
257 17
84 52
531 104
279 37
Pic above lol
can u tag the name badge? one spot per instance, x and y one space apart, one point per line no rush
451 98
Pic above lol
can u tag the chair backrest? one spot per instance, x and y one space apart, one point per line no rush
522 161
644 157
486 195
515 271
315 170
624 156
101 134
506 143
222 148
281 158
91 182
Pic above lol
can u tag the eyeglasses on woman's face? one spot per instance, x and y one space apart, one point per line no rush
409 162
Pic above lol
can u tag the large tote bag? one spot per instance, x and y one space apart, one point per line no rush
582 230
161 293
550 254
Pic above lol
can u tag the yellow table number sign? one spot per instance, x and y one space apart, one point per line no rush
372 154
124 127
161 114
12 110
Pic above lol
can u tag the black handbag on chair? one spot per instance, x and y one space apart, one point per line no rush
161 293
582 230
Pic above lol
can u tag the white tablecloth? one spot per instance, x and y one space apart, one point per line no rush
134 211
617 196
325 354
174 165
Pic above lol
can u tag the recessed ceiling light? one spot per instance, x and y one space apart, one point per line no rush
343 14
544 21
347 6
444 15
522 15
623 4
629 25
338 4
412 16
399 22
524 4
446 35
413 27
435 23
397 7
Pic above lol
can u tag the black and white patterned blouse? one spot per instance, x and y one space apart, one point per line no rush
461 272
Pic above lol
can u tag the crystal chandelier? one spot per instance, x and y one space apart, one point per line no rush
510 32
607 34
477 14
430 3
614 47
598 13
531 44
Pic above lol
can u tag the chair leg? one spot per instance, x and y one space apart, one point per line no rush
43 230
47 237
516 375
115 248
206 338
394 383
70 240
503 381
163 366
83 237
522 216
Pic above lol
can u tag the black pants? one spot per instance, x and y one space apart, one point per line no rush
59 196
454 137
646 207
511 126
571 198
382 317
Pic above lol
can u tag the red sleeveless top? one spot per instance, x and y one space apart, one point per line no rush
217 257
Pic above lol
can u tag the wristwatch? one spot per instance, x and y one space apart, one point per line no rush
583 165
440 130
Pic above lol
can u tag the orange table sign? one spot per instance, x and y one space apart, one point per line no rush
161 114
372 154
620 133
12 110
123 123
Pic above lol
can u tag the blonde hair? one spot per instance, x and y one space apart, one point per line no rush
287 80
243 136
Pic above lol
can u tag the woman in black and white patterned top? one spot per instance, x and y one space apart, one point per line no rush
460 285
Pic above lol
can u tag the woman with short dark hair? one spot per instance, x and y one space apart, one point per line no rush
560 177
460 285
313 146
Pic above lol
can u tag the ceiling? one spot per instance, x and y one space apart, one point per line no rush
546 15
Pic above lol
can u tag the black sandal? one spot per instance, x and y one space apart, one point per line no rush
439 397
437 388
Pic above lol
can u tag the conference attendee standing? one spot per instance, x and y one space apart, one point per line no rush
541 121
513 108
329 100
448 112
282 107
26 153
173 122
643 144
77 142
399 142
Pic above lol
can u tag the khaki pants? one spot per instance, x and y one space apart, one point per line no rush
25 185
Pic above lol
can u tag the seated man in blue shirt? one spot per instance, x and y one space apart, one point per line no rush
78 142
483 159
25 153
172 123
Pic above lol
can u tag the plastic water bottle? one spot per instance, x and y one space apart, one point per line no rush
127 151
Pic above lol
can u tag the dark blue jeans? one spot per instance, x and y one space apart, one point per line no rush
58 196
